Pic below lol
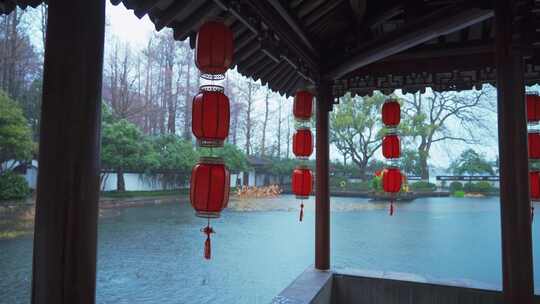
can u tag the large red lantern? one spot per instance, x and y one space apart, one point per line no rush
534 145
210 118
209 192
303 105
214 48
533 108
391 146
391 113
303 143
534 183
302 180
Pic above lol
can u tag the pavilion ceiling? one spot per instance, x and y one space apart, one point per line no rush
359 45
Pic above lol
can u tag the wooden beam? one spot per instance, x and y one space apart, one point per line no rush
65 238
442 22
322 190
168 14
516 234
276 22
194 20
276 4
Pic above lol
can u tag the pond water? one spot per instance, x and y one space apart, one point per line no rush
154 254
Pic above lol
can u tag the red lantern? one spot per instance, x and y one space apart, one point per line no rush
533 108
391 146
209 193
210 118
214 48
534 145
391 113
303 105
303 143
302 182
534 183
392 180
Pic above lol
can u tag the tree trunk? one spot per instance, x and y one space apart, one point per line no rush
187 107
279 130
265 122
120 183
424 168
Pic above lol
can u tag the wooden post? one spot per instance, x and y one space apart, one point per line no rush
322 190
65 239
514 185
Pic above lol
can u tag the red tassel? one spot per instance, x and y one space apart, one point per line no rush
301 211
391 208
207 244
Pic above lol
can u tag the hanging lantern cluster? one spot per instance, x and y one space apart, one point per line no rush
533 136
302 177
210 181
391 148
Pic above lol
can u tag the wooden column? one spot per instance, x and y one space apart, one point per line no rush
322 190
64 263
514 185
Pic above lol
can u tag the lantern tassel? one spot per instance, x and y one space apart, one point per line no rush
301 211
208 244
532 213
391 208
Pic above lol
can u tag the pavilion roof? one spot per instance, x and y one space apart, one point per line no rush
356 45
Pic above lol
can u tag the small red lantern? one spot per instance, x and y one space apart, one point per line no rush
392 180
534 183
391 146
303 105
533 108
391 113
214 48
303 143
302 180
534 145
209 192
210 118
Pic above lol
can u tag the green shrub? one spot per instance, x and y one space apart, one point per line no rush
376 183
337 182
13 187
423 186
359 186
456 186
482 187
458 193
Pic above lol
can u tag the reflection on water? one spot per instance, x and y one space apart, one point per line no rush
154 254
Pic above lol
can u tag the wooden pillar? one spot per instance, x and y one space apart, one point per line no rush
514 185
65 239
322 190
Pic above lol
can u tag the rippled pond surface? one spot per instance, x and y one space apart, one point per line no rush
154 254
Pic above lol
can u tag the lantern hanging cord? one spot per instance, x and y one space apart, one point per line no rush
301 210
207 244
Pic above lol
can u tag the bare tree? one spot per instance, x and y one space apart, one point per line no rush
265 122
434 118
247 90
